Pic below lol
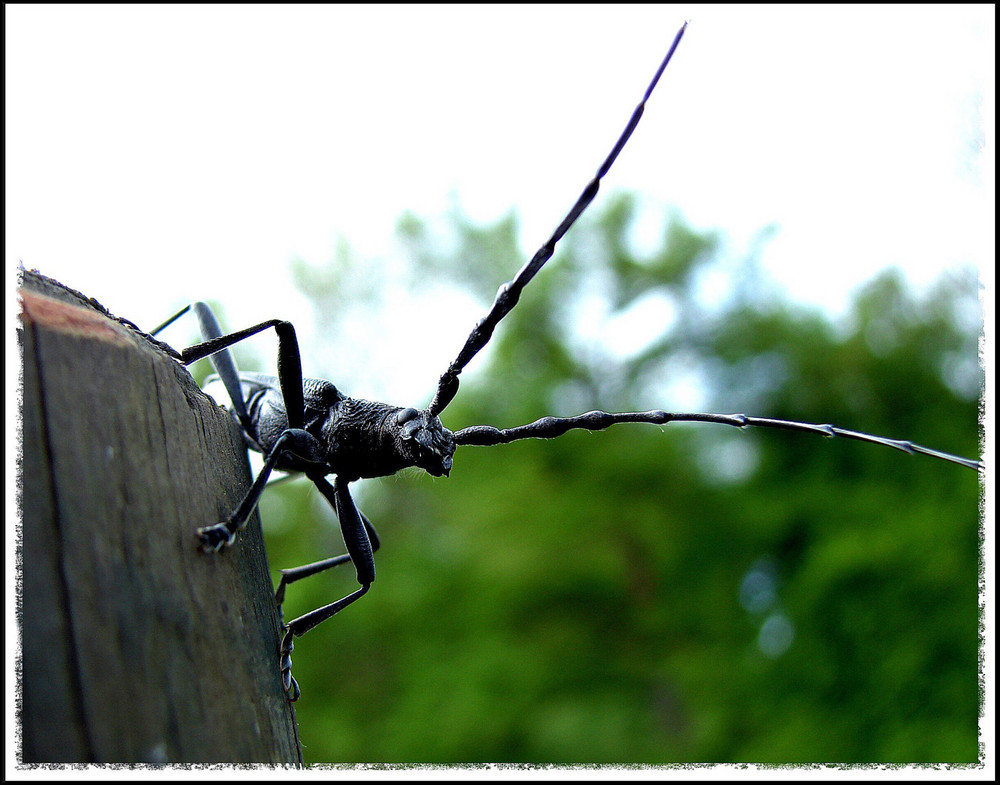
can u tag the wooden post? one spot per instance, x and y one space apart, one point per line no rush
135 645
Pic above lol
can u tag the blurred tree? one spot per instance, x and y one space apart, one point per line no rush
691 593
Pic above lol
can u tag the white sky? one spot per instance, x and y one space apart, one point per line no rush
159 154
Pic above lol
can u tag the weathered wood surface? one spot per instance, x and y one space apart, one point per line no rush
136 646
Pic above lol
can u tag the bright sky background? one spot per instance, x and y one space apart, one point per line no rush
159 154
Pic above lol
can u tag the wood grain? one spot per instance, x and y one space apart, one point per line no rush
136 646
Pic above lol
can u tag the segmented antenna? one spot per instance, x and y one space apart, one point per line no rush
509 293
552 427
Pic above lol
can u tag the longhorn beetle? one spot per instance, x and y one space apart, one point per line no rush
309 426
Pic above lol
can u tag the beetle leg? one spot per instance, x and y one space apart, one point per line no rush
293 440
361 546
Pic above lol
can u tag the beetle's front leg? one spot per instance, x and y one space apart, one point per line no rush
291 575
361 541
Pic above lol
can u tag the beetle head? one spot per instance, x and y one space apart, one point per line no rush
428 442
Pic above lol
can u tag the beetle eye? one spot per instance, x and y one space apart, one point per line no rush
405 415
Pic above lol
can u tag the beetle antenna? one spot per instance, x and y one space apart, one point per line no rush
552 427
509 292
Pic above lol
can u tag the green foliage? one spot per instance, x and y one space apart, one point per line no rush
683 594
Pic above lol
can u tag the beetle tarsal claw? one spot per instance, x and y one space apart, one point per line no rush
288 682
215 538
